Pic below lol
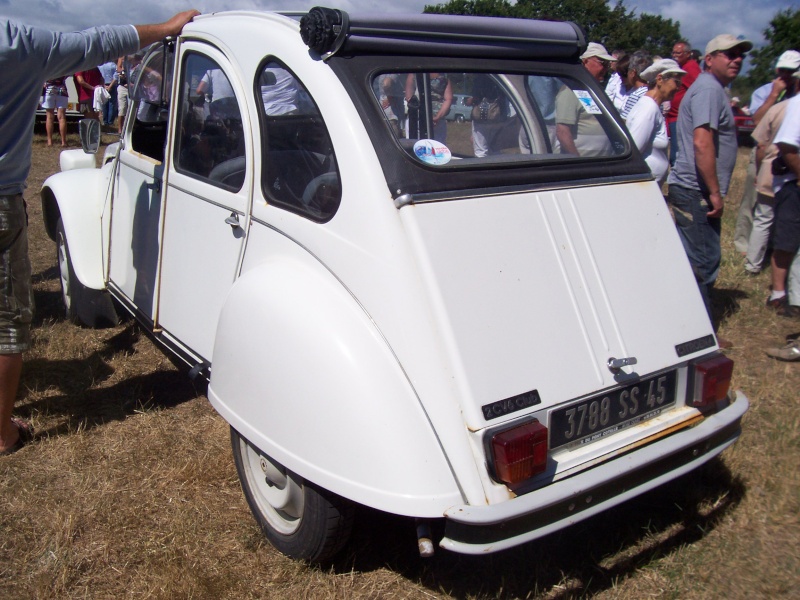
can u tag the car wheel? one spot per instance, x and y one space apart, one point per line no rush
71 288
300 519
460 118
83 306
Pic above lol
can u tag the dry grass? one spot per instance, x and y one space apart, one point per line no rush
129 490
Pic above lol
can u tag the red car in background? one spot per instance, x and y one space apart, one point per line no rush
744 126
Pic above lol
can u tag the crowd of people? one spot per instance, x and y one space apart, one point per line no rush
102 94
681 105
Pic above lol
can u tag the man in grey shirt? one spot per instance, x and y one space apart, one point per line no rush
28 57
706 156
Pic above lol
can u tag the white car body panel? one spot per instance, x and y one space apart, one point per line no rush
513 271
81 194
75 159
135 239
361 352
324 360
203 239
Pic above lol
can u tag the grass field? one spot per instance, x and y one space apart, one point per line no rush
129 489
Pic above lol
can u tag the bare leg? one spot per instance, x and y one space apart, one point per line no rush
48 125
10 369
781 261
62 126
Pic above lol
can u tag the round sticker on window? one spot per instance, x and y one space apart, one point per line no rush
432 152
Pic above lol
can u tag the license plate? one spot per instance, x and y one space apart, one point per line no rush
595 418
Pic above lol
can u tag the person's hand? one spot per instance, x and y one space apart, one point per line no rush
175 25
149 34
717 206
778 86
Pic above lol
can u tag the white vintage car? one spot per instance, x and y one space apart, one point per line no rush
490 325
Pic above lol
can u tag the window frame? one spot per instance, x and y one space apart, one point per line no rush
264 127
410 178
179 116
143 133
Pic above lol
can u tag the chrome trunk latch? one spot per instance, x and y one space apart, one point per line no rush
615 364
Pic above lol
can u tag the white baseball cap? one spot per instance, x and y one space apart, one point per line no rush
598 50
663 66
726 41
789 60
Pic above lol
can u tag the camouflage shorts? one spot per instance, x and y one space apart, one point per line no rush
16 293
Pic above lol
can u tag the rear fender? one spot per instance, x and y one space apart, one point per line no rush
77 197
301 371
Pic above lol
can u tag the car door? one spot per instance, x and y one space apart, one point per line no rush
137 209
207 198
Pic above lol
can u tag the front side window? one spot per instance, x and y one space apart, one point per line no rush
209 141
443 118
151 80
299 171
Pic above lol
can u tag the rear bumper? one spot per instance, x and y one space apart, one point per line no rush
484 529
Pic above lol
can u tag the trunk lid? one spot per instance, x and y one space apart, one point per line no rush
539 290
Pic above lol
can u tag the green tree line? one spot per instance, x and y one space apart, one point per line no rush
617 27
613 26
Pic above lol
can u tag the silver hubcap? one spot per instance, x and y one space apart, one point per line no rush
63 268
278 492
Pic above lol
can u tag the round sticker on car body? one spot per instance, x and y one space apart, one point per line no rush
432 152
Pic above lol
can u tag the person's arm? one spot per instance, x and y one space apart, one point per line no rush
790 157
705 158
761 151
641 125
149 34
83 83
566 139
778 87
411 85
448 101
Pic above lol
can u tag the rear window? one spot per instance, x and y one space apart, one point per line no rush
456 119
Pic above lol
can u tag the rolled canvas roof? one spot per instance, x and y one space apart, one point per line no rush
331 31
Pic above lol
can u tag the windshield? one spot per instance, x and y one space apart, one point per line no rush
442 119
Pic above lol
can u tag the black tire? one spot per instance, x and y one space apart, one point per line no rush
82 305
298 518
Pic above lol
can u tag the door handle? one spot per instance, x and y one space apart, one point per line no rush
233 220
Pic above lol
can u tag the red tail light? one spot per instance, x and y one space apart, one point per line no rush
520 453
712 378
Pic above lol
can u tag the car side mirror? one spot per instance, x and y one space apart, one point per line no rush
90 135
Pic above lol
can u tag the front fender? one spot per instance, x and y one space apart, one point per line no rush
77 197
301 371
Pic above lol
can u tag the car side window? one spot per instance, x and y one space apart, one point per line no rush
151 79
209 140
299 171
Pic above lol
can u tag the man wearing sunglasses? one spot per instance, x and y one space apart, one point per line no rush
707 150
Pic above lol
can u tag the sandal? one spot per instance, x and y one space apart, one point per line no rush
25 435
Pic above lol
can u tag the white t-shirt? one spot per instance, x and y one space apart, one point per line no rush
649 132
789 134
616 91
217 85
280 97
